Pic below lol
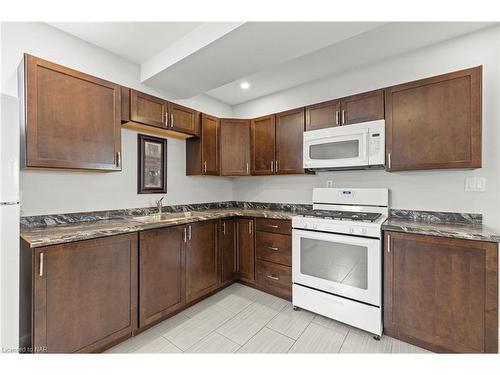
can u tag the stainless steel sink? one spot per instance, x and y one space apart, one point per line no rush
162 218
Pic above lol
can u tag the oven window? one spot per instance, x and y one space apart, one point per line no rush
337 262
335 150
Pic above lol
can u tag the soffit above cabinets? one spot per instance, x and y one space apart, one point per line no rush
214 58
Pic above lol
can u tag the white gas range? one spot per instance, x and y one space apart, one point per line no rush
337 256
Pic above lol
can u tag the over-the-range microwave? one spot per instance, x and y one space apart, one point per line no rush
356 146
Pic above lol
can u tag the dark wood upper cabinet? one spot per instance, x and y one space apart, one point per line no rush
210 130
246 249
201 259
263 145
368 106
228 250
161 273
289 141
85 294
148 109
441 293
183 119
323 115
435 123
72 119
234 147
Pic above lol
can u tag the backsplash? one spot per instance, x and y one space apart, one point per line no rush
78 217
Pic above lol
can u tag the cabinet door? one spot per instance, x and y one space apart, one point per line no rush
323 115
148 109
228 250
85 294
262 145
210 144
246 249
289 141
235 147
435 123
201 259
441 293
183 119
72 119
161 273
368 106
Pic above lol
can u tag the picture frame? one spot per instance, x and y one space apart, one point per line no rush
151 164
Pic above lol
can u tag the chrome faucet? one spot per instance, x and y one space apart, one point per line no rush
159 204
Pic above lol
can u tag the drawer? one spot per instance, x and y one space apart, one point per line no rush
274 226
274 247
275 278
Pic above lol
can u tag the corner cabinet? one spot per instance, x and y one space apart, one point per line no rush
234 147
71 119
435 123
83 294
434 285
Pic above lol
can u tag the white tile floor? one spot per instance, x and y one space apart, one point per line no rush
240 319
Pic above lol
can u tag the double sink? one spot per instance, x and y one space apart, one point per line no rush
164 217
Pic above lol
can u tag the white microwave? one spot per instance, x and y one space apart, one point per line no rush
356 146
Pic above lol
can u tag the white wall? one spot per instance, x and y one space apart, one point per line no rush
424 190
56 192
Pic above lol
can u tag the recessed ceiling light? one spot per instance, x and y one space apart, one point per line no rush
244 85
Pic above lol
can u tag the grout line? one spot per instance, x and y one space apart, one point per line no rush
297 339
281 333
182 351
345 338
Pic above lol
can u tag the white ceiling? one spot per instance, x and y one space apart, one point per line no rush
188 58
134 41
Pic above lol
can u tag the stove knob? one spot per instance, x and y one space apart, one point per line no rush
315 226
363 231
305 225
351 230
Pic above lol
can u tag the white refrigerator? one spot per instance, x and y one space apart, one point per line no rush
9 223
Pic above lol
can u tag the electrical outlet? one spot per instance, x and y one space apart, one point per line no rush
477 184
329 183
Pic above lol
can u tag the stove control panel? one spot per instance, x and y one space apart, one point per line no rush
337 226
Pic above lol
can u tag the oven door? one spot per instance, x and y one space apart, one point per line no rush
347 266
322 149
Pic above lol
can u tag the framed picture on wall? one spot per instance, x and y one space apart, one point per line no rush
151 165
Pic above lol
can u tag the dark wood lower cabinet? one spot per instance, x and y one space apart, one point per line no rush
246 249
441 293
161 273
201 259
228 252
84 294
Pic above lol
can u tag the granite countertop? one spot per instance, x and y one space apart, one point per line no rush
38 236
461 230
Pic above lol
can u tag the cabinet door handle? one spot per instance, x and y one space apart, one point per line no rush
277 166
389 159
185 234
248 169
205 166
273 277
166 119
250 227
272 166
118 158
388 243
224 228
190 233
337 117
272 248
343 117
41 265
171 120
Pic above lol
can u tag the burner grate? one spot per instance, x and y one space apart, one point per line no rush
345 215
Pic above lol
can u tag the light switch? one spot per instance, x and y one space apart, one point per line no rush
475 184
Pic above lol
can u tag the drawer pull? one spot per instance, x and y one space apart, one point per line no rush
273 277
272 248
272 226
